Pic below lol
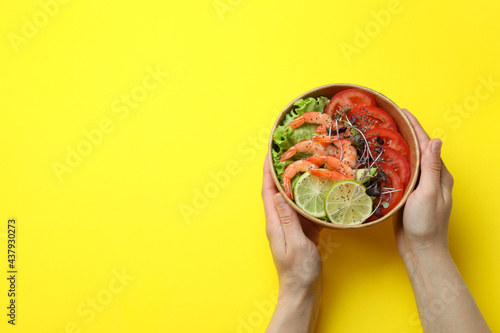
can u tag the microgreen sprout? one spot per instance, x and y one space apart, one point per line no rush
373 191
388 192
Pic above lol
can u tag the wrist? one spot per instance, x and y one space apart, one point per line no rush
297 299
300 300
298 293
296 310
426 258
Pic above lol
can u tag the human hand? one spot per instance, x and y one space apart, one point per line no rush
422 237
293 241
425 219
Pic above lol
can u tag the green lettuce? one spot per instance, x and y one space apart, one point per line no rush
285 137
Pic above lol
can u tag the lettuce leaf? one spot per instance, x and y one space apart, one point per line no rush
285 137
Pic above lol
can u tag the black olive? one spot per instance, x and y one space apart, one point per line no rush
380 141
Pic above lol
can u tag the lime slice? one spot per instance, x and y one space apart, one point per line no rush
309 194
346 202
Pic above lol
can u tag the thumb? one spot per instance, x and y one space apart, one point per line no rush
289 221
430 179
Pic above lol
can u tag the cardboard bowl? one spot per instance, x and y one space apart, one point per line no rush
404 128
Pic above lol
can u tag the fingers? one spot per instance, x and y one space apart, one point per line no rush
290 222
422 136
274 230
430 178
268 187
432 164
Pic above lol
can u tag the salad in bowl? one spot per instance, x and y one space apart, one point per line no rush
344 156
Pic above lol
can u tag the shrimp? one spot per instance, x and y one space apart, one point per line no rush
324 129
346 152
292 170
311 146
311 117
335 164
330 174
333 130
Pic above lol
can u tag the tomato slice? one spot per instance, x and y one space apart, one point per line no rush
390 139
394 185
396 161
370 117
349 98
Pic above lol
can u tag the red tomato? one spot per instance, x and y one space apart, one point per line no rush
369 117
396 161
390 139
394 183
349 98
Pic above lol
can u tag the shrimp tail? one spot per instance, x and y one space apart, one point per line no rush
318 160
297 122
332 162
288 154
287 184
325 140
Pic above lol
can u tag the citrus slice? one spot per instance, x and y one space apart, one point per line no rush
309 194
346 202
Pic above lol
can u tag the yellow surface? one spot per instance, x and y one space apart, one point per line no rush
129 204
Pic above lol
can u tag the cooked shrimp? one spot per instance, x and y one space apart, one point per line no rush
324 129
326 139
347 154
330 174
292 170
332 130
311 117
335 164
343 151
309 146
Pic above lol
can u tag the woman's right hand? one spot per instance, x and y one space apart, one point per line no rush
425 219
422 238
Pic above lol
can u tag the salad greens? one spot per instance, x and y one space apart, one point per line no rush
285 137
368 140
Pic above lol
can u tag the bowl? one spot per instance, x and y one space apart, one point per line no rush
404 128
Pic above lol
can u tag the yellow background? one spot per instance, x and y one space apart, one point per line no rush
232 66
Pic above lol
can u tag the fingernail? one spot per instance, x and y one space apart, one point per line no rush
436 146
280 201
